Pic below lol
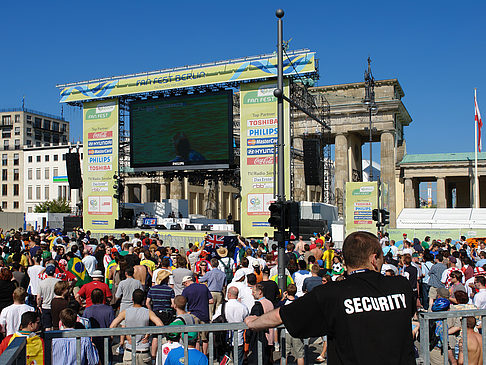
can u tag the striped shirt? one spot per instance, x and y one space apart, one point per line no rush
161 296
64 351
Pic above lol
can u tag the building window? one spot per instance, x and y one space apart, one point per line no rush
59 192
55 126
16 190
37 193
37 174
29 142
81 155
16 159
7 120
29 174
47 137
64 157
4 189
37 122
47 124
16 174
46 158
56 157
55 172
37 144
4 205
29 192
29 159
29 210
38 135
46 192
17 144
5 144
17 118
4 175
4 159
6 133
37 158
63 128
29 131
16 205
17 131
29 117
46 173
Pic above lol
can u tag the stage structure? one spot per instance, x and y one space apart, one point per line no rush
180 123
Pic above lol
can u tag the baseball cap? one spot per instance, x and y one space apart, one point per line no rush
187 278
173 336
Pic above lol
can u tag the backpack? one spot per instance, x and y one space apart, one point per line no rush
228 270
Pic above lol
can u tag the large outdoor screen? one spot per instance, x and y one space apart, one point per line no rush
182 132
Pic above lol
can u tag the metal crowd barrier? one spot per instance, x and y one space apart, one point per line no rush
15 352
426 317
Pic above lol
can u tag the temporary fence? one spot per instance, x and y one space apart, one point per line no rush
15 353
424 321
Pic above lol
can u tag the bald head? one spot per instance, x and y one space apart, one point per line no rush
233 292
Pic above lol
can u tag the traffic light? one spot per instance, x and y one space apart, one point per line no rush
277 214
385 217
376 215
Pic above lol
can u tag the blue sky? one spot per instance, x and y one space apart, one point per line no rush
436 50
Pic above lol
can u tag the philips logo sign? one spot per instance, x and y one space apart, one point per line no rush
262 132
105 159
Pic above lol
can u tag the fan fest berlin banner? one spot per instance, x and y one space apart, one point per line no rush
100 148
258 134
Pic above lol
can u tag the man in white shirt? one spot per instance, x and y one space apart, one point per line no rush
236 312
11 315
33 272
89 262
246 292
238 283
480 297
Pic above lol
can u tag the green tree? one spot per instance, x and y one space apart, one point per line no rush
53 206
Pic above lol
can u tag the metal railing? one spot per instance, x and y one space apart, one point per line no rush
426 317
15 352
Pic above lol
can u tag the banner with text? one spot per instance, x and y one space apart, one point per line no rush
361 199
258 135
220 72
100 149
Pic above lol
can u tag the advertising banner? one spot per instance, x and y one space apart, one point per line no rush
361 199
258 134
231 71
100 149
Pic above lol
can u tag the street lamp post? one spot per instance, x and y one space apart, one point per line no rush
369 102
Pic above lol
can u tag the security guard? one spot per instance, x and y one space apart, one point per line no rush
367 317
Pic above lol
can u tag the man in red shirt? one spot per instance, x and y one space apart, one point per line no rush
97 283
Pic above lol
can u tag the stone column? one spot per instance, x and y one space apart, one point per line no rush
341 170
409 194
163 190
176 189
441 193
126 193
143 193
388 172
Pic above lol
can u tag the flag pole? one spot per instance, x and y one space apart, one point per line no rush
476 180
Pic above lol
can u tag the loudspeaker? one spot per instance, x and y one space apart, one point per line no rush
123 223
160 226
176 227
73 168
312 162
205 227
189 227
294 217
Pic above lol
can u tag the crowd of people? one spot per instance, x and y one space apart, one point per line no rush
51 281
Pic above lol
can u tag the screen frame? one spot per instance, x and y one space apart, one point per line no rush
181 166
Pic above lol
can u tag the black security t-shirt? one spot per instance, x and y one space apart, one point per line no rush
367 319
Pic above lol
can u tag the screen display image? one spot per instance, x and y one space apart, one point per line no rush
192 131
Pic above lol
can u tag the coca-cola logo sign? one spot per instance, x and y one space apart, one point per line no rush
100 135
264 160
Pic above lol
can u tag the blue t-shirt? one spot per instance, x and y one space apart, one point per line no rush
198 296
102 313
195 357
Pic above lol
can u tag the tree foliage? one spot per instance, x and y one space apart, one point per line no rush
53 206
